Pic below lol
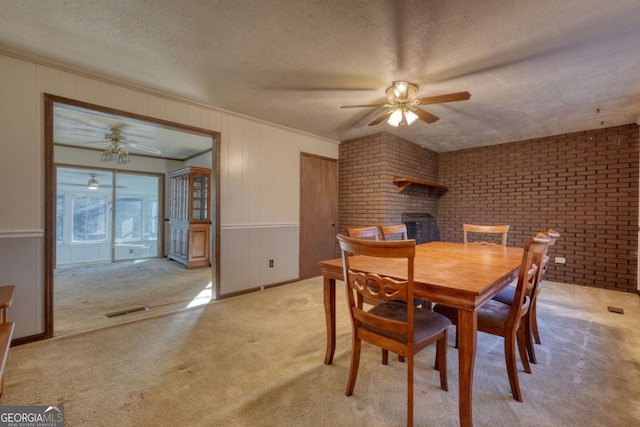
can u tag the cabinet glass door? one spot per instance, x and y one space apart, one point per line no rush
199 198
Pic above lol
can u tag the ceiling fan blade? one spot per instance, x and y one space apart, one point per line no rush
100 185
137 136
144 148
450 97
381 118
363 106
88 134
424 116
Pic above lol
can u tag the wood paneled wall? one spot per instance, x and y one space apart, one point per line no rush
256 191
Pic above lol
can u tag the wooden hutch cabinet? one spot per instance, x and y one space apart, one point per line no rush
189 216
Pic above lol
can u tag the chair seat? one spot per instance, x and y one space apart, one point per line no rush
426 323
493 314
507 295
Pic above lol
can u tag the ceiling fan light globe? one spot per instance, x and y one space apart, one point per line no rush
93 183
396 117
410 116
107 156
400 89
390 95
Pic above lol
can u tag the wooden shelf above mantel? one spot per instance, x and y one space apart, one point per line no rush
404 182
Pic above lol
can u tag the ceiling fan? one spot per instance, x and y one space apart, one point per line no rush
403 106
116 137
116 150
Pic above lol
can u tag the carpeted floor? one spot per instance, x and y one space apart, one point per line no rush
85 294
256 360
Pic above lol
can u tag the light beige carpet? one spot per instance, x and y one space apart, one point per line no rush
85 294
256 360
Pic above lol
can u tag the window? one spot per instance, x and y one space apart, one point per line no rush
89 219
128 219
153 219
59 218
106 224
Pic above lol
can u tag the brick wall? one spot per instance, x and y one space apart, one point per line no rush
584 185
367 196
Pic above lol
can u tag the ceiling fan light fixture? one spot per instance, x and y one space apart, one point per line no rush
123 156
93 183
108 155
402 116
396 117
410 116
115 152
402 91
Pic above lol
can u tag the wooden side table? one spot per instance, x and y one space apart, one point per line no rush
6 298
6 329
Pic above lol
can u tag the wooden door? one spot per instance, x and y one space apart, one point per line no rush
318 212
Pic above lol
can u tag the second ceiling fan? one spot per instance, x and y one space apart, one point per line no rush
403 105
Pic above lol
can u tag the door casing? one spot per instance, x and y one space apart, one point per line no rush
50 191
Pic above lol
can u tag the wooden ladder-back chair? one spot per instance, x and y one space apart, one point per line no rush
388 231
368 233
392 324
503 230
507 321
507 295
364 233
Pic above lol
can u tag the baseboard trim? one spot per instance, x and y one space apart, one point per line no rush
256 289
29 339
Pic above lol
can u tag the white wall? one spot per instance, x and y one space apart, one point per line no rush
259 180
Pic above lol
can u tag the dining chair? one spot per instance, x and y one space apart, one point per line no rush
392 325
370 233
502 230
388 231
364 233
507 321
507 296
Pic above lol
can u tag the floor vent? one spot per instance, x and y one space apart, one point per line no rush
127 311
615 309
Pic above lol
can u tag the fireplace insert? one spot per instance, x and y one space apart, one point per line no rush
421 226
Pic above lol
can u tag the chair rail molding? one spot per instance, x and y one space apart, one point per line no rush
20 234
254 226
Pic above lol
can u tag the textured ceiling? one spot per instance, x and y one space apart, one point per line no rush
533 68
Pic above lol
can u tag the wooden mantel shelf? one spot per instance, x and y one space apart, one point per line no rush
404 182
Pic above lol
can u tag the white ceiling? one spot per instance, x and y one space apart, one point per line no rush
533 68
89 129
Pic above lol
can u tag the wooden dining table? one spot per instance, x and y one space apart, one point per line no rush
459 275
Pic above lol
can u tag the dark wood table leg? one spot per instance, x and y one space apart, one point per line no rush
330 315
467 342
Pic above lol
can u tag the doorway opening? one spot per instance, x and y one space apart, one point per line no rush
106 235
